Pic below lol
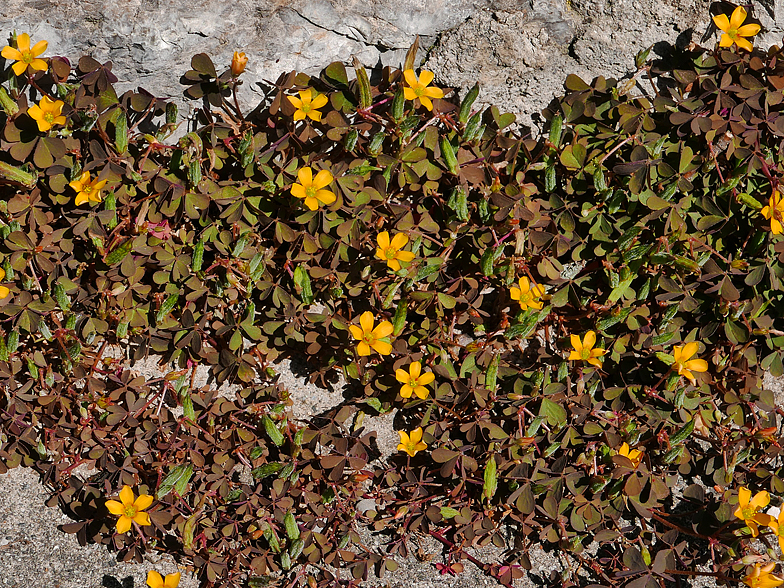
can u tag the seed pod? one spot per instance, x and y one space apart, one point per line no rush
256 267
3 350
194 172
599 183
673 454
121 133
376 142
239 246
272 430
302 282
7 103
472 127
398 105
296 549
556 127
285 560
749 200
32 368
399 320
449 156
266 470
171 113
683 433
119 253
75 350
110 203
18 175
271 537
365 96
61 297
490 479
458 201
492 373
687 264
292 530
43 328
167 306
549 178
351 140
122 330
198 256
468 102
13 341
70 322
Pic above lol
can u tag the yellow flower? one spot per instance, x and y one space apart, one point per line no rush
777 526
583 350
761 577
369 337
311 189
154 580
307 105
774 212
528 294
390 251
419 88
238 63
414 381
87 191
24 56
686 366
4 292
130 510
633 455
412 444
733 31
748 509
47 113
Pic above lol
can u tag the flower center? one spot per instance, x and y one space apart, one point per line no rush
49 117
27 57
419 90
88 188
413 382
368 338
749 512
305 107
391 253
310 192
130 512
585 353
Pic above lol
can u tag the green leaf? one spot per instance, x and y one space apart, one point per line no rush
554 412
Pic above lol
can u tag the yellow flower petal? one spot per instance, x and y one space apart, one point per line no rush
514 293
126 496
366 321
589 340
19 67
142 518
311 203
721 21
748 30
406 391
760 500
434 93
319 101
315 115
39 64
737 18
123 525
356 331
426 102
323 179
325 197
416 435
744 44
305 176
172 580
154 579
399 241
697 365
299 115
114 507
23 42
298 191
143 502
10 53
393 264
409 94
744 496
405 256
363 349
427 378
410 77
689 350
421 392
425 77
81 198
402 376
382 347
384 329
415 369
726 41
295 102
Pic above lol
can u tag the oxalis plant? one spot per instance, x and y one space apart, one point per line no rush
572 330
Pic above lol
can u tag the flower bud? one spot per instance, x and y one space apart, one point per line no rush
238 63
